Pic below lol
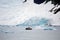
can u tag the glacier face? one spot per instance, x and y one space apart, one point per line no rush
35 21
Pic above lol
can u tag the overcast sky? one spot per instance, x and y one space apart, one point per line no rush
15 11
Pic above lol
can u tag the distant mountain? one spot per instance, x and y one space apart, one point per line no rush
34 21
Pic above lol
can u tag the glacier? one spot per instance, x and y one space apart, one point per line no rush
35 21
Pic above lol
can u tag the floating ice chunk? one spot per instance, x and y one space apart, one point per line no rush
6 31
45 28
49 28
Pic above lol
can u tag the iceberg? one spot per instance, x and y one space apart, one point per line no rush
45 28
35 21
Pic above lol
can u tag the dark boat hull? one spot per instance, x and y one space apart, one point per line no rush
28 28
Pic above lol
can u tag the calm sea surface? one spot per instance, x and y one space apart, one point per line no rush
19 33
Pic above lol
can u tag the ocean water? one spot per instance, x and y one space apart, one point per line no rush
19 33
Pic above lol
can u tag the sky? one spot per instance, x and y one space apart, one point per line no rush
13 12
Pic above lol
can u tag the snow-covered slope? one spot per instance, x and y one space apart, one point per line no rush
15 11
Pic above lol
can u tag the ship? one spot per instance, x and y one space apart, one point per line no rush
28 28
